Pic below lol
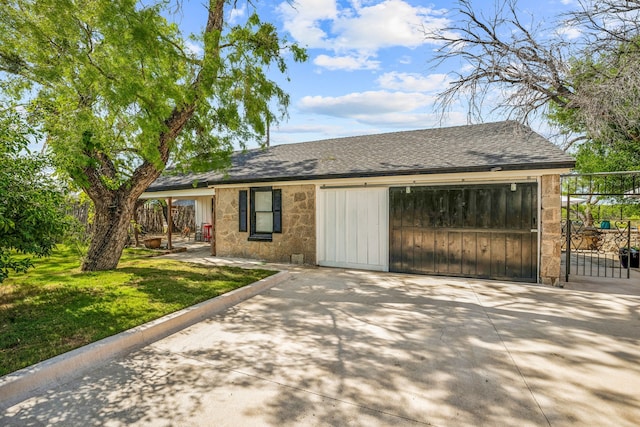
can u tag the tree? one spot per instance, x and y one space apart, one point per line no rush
120 96
502 53
32 219
590 86
604 103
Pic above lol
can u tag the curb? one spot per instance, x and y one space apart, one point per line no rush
19 385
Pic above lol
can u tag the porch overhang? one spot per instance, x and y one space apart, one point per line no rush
178 194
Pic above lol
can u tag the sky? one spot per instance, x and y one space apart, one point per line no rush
369 69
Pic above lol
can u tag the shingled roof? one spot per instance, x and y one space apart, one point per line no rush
472 148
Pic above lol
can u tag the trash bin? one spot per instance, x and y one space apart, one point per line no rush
632 261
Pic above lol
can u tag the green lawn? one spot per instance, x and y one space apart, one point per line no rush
55 308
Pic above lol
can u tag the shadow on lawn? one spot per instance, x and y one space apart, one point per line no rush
372 349
72 310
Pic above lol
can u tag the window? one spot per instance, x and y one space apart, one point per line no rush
265 212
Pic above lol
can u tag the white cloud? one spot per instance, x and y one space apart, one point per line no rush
360 104
306 128
386 24
570 32
466 68
293 134
358 31
194 48
304 20
415 121
347 63
413 82
382 111
237 13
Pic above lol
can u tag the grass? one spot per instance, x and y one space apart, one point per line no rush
55 308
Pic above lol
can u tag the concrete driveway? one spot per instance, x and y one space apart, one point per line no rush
338 347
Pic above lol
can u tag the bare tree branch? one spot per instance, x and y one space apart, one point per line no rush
606 21
523 70
504 54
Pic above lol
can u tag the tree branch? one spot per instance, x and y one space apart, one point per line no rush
146 173
505 54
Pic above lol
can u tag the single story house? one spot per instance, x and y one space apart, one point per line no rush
474 201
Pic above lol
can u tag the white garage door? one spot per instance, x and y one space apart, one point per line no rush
353 228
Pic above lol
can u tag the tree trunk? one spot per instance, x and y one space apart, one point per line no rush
111 225
165 214
588 216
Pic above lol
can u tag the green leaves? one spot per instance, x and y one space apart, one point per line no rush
8 263
32 219
118 95
108 68
117 70
603 108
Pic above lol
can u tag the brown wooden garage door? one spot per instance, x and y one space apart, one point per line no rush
485 231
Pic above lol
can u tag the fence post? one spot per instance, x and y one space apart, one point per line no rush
567 262
628 249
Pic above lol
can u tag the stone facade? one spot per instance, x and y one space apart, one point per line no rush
296 243
551 231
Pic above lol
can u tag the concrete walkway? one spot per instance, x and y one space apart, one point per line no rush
339 347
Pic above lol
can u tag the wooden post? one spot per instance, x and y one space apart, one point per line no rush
213 226
169 224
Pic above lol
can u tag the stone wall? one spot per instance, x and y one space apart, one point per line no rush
298 235
551 235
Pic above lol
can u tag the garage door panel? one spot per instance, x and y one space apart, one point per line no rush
469 215
498 255
514 255
456 208
340 224
473 230
411 253
330 229
427 253
417 249
483 208
395 239
469 251
441 252
361 238
395 252
498 202
514 211
373 220
529 251
454 258
483 254
352 224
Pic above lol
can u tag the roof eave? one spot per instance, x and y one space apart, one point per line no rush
448 170
173 187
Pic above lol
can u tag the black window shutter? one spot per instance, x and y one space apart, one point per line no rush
277 211
242 210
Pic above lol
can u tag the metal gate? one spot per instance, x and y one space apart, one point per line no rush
598 247
484 231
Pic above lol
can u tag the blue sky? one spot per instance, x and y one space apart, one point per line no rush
369 67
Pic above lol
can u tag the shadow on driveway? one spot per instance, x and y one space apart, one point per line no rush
341 347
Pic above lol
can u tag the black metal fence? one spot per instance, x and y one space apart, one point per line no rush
594 245
590 251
